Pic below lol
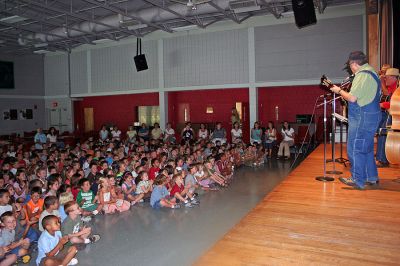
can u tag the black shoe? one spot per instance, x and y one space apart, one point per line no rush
380 164
372 183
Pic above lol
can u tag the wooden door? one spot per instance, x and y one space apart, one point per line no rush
89 119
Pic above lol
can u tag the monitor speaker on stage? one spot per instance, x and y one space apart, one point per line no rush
304 13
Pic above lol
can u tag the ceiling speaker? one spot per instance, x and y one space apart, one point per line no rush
304 13
140 62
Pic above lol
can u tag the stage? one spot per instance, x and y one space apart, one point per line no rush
308 222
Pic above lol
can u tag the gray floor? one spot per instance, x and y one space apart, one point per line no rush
144 236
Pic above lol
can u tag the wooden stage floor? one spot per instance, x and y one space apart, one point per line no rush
307 222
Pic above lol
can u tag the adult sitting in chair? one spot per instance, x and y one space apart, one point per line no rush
219 134
288 140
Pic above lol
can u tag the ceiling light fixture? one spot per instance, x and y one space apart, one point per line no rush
99 41
185 28
12 19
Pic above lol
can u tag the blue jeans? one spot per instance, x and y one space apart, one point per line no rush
360 145
380 152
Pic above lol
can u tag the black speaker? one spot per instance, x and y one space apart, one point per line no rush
140 62
304 12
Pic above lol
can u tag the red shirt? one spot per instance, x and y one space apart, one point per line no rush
75 192
177 188
153 171
22 163
391 89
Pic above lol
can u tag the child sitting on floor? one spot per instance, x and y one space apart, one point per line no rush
86 198
7 238
109 200
34 207
64 198
191 184
50 208
179 192
51 243
73 226
128 187
250 156
160 195
143 188
5 201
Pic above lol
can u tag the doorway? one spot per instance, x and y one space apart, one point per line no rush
88 119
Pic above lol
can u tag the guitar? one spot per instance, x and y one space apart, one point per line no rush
345 85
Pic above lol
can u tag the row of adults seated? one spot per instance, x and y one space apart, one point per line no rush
208 131
144 133
50 137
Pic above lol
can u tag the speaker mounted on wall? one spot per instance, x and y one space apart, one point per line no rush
304 13
140 59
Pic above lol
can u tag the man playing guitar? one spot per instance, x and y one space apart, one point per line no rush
390 80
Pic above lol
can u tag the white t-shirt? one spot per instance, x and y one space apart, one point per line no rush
52 138
169 132
203 134
287 132
116 134
236 133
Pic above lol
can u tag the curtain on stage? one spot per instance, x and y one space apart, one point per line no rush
396 33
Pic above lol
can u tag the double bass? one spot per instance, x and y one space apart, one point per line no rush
392 147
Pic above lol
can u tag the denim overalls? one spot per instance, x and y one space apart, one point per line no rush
363 123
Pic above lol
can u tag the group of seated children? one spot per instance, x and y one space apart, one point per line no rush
48 196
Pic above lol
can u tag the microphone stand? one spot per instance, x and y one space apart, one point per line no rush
324 178
333 142
341 159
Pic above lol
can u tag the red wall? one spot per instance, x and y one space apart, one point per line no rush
118 109
222 101
291 101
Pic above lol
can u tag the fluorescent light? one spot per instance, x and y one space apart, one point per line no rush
38 45
41 51
136 27
12 19
185 28
102 41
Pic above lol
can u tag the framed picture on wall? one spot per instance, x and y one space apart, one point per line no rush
13 114
22 114
29 114
6 115
25 114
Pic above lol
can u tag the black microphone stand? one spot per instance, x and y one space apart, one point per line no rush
333 141
324 178
341 159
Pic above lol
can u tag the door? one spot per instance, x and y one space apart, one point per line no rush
58 118
89 119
